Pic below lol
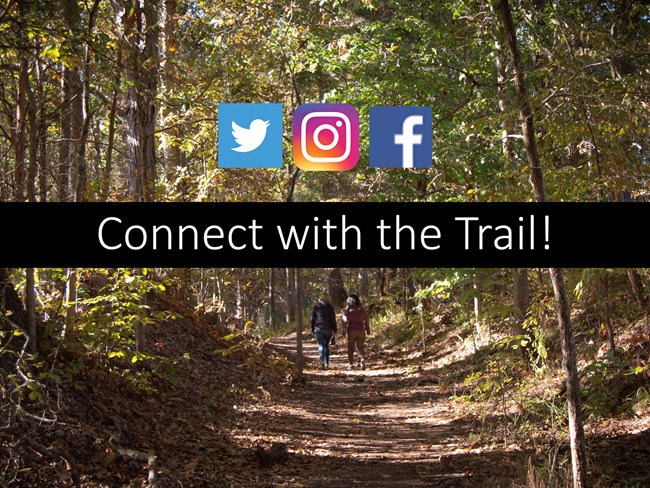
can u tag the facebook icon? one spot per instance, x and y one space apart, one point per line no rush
400 137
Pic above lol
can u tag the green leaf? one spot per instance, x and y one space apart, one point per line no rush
35 395
51 52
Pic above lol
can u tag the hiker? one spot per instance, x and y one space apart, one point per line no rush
323 326
356 326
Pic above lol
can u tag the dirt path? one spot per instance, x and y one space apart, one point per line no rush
385 426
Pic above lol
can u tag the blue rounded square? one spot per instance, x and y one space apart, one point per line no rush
401 137
250 135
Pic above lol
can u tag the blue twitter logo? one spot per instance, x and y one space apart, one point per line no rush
251 138
250 135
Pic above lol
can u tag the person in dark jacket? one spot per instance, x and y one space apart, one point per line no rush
323 326
356 326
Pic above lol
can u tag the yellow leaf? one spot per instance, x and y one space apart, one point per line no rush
51 52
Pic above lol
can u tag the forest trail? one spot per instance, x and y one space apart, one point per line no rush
386 426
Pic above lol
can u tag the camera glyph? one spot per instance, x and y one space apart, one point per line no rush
326 137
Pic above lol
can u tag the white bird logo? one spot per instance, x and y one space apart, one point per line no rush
249 139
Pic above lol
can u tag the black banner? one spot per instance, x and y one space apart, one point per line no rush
324 235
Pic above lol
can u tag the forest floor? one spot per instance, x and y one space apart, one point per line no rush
209 403
390 425
396 424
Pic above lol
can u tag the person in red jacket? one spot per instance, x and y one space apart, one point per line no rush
356 326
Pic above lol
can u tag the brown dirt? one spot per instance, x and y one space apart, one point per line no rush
387 426
393 425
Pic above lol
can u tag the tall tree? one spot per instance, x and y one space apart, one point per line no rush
170 146
381 281
569 361
43 169
138 25
363 282
299 325
19 138
30 307
637 287
70 300
32 117
521 295
74 150
291 295
478 303
271 298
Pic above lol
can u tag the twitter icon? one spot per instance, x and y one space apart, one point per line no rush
251 138
250 135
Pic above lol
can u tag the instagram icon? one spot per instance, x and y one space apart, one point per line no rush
326 137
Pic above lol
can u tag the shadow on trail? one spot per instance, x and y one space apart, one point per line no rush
374 428
491 470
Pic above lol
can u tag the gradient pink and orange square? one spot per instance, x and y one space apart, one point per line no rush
326 137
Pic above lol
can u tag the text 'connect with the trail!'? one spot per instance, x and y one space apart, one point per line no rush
331 234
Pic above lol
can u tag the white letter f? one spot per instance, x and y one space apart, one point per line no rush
407 139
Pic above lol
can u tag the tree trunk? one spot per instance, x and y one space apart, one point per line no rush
77 98
336 289
502 76
82 166
540 277
217 298
19 138
71 300
239 300
363 282
637 288
608 314
147 104
96 170
478 308
569 362
182 279
299 325
108 168
84 116
140 337
292 181
170 148
521 296
382 281
32 116
291 295
136 22
42 142
30 308
408 289
572 380
272 321
422 324
164 53
10 302
140 332
525 110
139 30
63 174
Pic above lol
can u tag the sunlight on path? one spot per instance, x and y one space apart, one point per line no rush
366 428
